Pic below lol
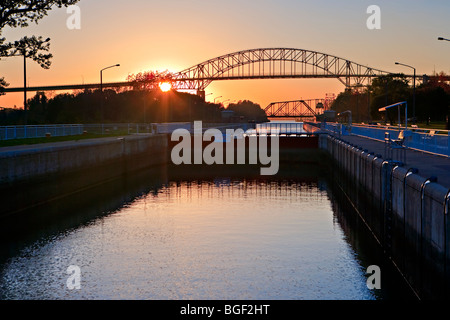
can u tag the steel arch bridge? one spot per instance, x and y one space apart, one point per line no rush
296 109
274 63
266 63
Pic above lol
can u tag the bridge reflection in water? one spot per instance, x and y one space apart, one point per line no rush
210 233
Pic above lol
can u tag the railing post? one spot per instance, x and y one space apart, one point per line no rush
448 143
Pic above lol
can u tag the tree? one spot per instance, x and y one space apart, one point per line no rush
387 90
149 80
433 99
354 100
21 13
249 110
3 84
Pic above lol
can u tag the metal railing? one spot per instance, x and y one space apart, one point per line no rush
118 128
39 131
170 127
281 128
60 130
394 148
429 140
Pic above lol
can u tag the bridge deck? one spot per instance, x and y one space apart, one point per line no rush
428 164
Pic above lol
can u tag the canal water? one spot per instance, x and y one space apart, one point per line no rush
210 233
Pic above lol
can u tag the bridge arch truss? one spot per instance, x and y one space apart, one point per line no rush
310 108
275 63
266 63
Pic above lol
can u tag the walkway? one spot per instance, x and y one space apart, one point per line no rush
428 164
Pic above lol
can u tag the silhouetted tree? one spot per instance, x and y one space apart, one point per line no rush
149 79
21 13
433 99
383 91
355 100
248 109
387 90
133 106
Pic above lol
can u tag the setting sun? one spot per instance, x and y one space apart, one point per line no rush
165 86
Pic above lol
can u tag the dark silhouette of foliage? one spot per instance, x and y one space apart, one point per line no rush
21 13
149 79
432 99
249 110
134 106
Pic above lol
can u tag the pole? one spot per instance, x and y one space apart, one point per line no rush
358 118
414 89
368 105
145 108
414 98
25 86
101 96
386 101
101 88
406 115
190 109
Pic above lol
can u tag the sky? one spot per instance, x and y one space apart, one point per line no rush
143 35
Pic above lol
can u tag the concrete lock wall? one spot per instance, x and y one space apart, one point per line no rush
33 175
23 164
434 236
410 214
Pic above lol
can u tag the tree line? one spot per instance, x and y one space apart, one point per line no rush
129 106
432 99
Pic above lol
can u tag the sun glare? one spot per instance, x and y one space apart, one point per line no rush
165 86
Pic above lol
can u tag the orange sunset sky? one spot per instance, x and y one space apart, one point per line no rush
174 35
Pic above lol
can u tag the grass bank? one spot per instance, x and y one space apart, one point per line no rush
30 141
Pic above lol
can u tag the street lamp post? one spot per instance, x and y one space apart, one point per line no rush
414 90
23 53
101 86
25 87
447 117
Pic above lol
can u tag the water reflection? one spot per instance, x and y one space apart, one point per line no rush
169 234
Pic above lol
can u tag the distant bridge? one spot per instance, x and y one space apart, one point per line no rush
297 108
268 63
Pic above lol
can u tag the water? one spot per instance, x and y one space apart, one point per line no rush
167 234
